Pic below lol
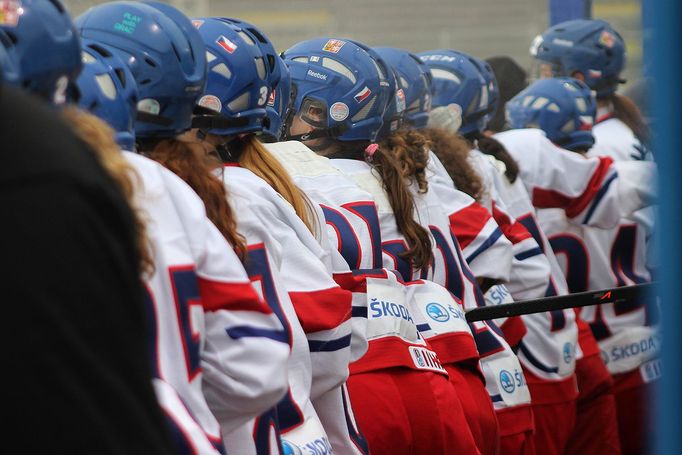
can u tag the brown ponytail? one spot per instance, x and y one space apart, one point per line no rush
453 152
627 112
256 158
493 147
419 251
100 137
193 168
411 150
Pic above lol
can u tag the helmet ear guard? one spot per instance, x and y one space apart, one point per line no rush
564 108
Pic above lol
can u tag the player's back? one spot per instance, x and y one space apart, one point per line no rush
174 302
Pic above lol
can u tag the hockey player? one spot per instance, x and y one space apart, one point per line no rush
409 147
598 259
72 261
547 351
596 56
342 90
200 298
279 226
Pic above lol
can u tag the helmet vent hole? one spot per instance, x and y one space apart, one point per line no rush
58 5
11 36
100 50
121 75
175 50
151 62
364 111
223 70
258 35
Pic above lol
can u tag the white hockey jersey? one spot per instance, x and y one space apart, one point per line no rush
595 192
451 341
548 350
284 264
353 225
198 294
486 250
603 258
615 139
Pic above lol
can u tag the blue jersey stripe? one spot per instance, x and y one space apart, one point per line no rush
600 195
244 331
329 346
534 361
359 312
528 254
488 242
496 398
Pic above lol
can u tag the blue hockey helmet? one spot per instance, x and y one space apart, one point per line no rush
163 51
237 88
278 79
458 80
344 83
415 79
493 91
46 46
589 46
107 89
564 108
264 44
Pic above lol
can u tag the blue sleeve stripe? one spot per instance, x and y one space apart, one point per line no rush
359 312
534 361
423 327
528 254
329 346
600 195
246 331
488 242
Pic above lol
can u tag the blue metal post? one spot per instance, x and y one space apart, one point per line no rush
564 10
663 60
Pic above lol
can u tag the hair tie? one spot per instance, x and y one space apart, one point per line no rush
369 151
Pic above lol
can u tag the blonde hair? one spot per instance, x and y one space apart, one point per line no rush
255 157
100 138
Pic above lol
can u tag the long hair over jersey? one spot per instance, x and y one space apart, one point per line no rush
418 239
411 150
194 169
493 147
627 112
253 155
453 152
100 139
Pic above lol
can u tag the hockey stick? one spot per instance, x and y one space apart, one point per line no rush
562 302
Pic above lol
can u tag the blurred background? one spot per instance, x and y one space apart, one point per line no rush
483 28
